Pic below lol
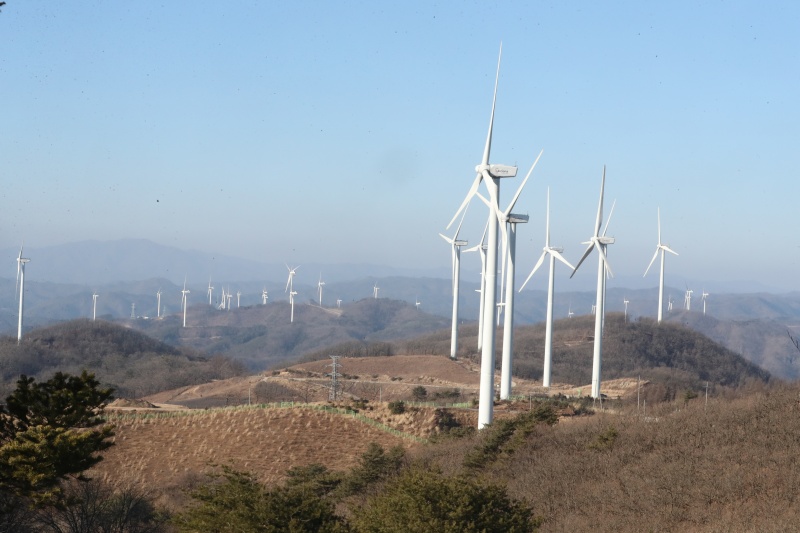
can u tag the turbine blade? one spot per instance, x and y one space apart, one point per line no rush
538 264
659 226
522 185
670 250
547 222
610 214
488 148
446 238
472 190
653 260
599 219
583 258
458 230
605 260
560 257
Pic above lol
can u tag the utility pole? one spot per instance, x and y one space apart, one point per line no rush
334 391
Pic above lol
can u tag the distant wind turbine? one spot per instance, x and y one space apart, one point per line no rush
21 261
705 295
210 291
598 242
158 303
338 302
375 290
455 256
320 284
625 301
553 253
264 296
418 303
238 299
687 301
660 247
292 294
94 306
481 249
184 301
569 312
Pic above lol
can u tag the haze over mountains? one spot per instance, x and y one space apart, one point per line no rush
60 281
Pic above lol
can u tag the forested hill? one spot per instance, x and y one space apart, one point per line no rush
672 356
128 360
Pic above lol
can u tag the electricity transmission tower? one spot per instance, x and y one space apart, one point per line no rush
334 390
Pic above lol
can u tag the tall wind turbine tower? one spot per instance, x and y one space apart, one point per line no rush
292 294
705 295
264 296
238 298
455 256
375 290
598 242
660 247
158 303
490 175
21 261
184 301
320 284
553 253
481 249
687 301
625 302
508 226
94 306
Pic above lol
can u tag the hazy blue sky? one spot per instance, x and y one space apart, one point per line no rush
349 131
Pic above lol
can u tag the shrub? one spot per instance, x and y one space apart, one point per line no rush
397 407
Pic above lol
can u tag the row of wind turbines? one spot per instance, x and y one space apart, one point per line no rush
504 222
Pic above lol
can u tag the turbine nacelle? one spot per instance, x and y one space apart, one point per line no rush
497 170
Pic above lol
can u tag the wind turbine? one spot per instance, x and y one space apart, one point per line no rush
290 281
569 312
375 290
418 303
490 175
598 242
238 298
553 253
626 302
184 301
705 295
320 284
481 249
228 296
687 300
338 302
455 253
21 284
210 291
292 294
660 247
158 303
94 306
669 304
264 296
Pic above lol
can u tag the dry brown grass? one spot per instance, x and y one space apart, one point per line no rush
168 453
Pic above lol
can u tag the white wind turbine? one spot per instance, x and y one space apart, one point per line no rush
320 284
418 303
660 247
687 300
626 302
184 301
553 253
338 302
705 295
264 296
290 289
509 223
238 298
94 306
210 291
490 175
292 294
481 249
598 242
375 290
455 253
228 296
158 303
669 304
21 261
